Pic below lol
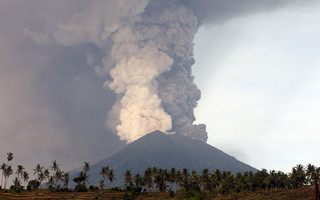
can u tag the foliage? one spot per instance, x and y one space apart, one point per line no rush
33 184
81 188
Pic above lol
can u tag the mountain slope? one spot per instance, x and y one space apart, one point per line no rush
166 151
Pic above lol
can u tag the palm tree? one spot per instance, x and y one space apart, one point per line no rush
111 176
101 185
298 175
138 180
3 167
205 180
312 173
46 173
86 168
19 171
172 176
41 178
55 166
58 177
25 178
104 172
185 177
7 173
50 181
147 178
38 169
128 178
9 156
160 178
195 181
66 178
16 183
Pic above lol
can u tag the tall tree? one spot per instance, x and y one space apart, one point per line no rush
66 178
25 178
147 178
3 168
55 166
19 172
58 177
7 173
128 178
9 156
104 172
111 176
86 168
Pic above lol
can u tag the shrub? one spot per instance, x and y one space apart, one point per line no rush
81 188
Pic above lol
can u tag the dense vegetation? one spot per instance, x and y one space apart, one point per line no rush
172 182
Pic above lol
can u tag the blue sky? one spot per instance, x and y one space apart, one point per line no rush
259 77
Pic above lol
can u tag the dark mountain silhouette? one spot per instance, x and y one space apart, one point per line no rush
165 151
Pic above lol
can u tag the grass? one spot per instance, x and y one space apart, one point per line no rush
303 193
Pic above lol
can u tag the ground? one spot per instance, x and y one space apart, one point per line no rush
303 193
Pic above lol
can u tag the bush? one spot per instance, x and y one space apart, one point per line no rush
91 187
171 193
81 188
34 184
115 189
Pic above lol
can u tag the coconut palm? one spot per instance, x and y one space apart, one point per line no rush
194 181
2 167
41 177
138 181
16 183
128 178
205 182
185 177
58 177
314 176
86 168
25 178
9 156
298 176
38 169
101 185
46 173
111 176
104 172
55 166
7 173
147 178
66 178
172 176
19 171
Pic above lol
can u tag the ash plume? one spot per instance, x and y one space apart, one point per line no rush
152 74
144 51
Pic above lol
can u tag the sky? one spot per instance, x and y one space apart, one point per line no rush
259 77
256 66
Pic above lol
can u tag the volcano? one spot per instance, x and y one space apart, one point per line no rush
165 151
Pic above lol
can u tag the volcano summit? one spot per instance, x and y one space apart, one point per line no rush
166 151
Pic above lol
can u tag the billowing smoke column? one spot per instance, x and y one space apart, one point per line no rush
147 53
152 74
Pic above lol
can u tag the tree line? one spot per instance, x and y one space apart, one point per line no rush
165 180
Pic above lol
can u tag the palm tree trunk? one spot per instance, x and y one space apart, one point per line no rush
1 179
317 189
5 182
